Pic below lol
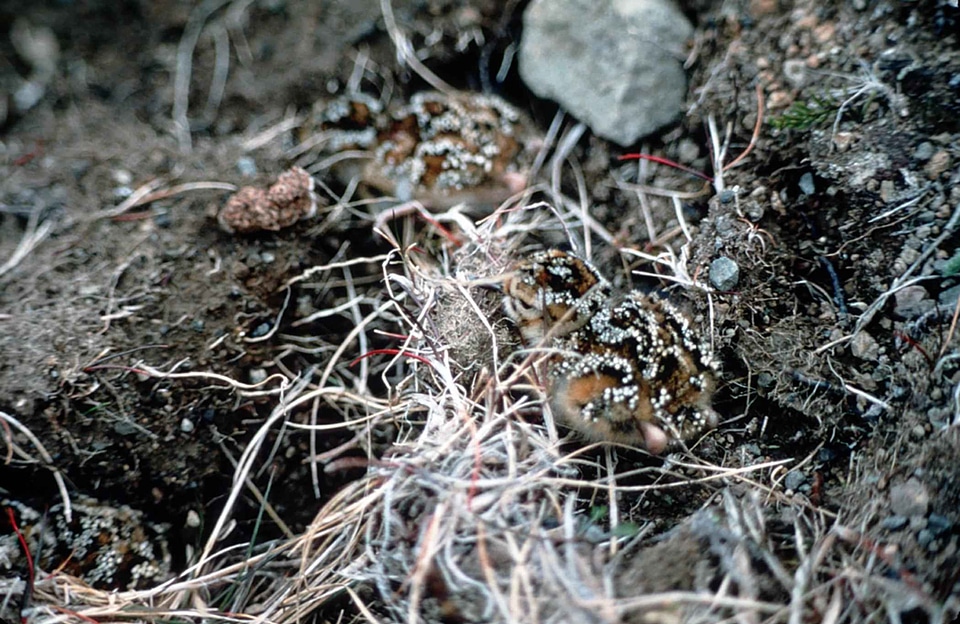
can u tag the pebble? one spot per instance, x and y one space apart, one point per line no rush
937 164
724 274
911 302
193 519
186 425
843 140
260 330
795 71
938 524
910 498
247 166
794 480
893 523
616 66
257 375
888 191
924 151
949 296
864 347
806 184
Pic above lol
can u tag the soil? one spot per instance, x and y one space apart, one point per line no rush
838 342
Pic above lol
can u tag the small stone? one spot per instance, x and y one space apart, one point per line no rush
688 150
938 524
186 425
795 71
887 191
759 8
925 538
864 347
779 99
247 166
949 296
937 164
765 380
893 523
912 302
924 151
193 520
824 32
724 274
842 140
909 498
260 330
122 177
257 375
125 428
794 480
806 184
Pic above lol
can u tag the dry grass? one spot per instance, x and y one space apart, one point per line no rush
478 510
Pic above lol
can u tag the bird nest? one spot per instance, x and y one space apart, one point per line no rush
479 508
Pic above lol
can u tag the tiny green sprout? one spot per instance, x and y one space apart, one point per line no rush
599 513
952 267
626 529
805 115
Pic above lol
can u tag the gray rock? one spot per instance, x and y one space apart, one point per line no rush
794 480
864 346
616 65
912 302
949 296
765 380
939 525
893 523
247 166
724 274
910 498
924 151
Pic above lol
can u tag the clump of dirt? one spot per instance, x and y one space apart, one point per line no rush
227 386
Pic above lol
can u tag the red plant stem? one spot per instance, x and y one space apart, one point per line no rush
419 358
666 161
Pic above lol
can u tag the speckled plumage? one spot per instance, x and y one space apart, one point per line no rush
627 368
439 149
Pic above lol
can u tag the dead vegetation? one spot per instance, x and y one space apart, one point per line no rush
464 501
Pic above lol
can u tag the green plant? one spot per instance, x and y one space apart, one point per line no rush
952 267
804 115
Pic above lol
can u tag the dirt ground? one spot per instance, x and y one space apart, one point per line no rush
121 297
